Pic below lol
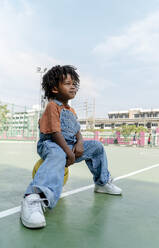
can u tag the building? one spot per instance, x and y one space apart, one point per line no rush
139 117
26 121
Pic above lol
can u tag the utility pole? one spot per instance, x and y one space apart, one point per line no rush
87 108
94 112
86 112
41 97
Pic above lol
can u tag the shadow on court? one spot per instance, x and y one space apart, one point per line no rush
93 220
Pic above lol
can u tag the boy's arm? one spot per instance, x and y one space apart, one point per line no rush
78 147
58 138
79 137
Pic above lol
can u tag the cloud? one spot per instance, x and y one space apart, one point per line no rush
18 60
93 87
87 84
19 7
131 60
139 41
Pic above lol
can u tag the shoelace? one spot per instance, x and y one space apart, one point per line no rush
110 181
44 206
37 205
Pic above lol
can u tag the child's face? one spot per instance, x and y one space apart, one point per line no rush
66 89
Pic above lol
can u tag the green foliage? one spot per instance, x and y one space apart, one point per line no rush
3 115
141 129
126 130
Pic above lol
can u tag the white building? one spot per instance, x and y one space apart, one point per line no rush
140 117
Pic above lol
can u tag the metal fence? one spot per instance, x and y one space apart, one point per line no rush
21 123
141 140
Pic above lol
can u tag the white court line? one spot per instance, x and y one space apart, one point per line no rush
136 172
17 209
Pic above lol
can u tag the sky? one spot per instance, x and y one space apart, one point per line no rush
113 44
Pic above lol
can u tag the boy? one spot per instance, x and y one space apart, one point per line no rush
61 145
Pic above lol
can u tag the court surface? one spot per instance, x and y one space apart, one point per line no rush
82 218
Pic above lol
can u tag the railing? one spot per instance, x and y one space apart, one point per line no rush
21 135
106 139
116 139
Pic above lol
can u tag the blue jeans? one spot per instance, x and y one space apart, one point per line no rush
49 177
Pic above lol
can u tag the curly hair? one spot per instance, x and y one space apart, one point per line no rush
57 74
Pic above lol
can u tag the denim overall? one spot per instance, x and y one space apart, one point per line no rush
49 177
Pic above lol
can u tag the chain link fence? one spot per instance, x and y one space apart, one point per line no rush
112 138
18 122
21 123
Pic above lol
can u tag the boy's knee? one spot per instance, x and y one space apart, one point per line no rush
55 151
58 154
93 145
98 146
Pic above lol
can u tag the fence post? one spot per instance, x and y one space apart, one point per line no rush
96 135
157 136
142 138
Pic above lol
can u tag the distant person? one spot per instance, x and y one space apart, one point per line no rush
135 138
61 144
149 140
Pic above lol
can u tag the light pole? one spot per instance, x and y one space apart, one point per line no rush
41 96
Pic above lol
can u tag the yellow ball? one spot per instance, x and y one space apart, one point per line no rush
40 161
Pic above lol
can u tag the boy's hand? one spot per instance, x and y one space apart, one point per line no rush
70 158
78 149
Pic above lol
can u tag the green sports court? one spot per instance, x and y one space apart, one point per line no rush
82 218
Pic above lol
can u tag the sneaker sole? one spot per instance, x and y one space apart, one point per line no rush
31 225
110 193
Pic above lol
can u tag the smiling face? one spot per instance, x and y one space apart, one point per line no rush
66 90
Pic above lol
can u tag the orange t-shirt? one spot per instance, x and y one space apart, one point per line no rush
50 120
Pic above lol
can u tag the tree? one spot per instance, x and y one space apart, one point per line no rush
3 115
128 130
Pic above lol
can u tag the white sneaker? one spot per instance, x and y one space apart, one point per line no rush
108 188
31 212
